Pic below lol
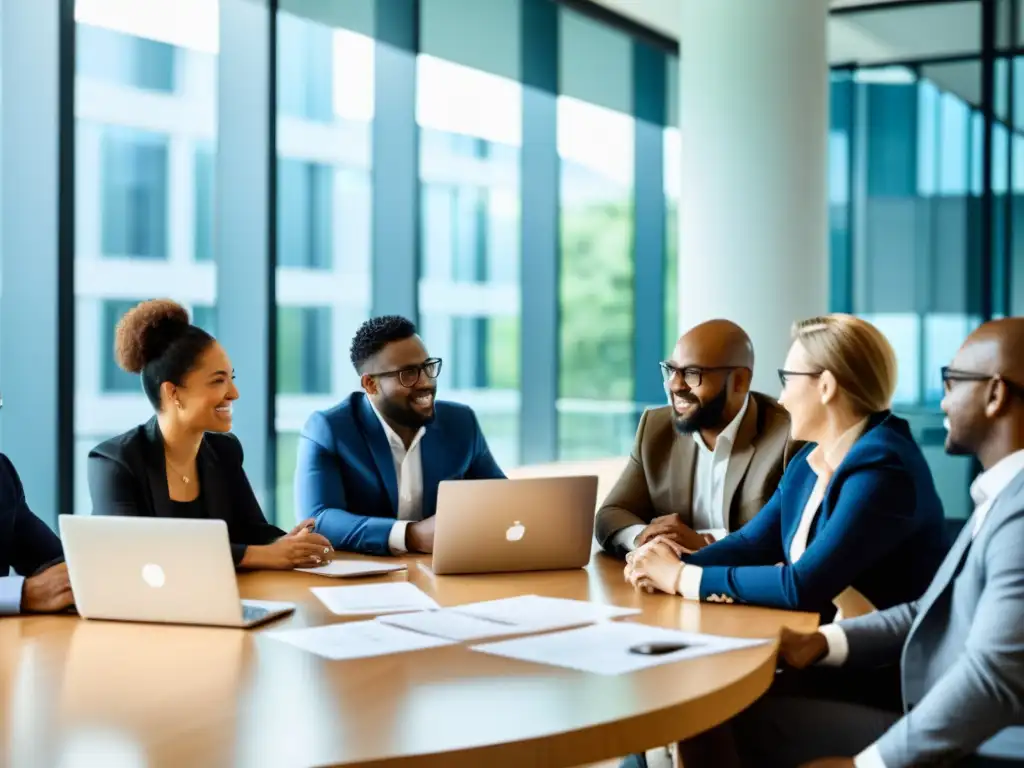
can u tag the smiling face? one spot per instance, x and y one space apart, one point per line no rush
801 395
706 390
400 390
204 399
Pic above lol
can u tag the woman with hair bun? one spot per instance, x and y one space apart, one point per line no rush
184 462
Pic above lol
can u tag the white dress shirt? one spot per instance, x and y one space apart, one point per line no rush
708 499
409 475
824 462
984 491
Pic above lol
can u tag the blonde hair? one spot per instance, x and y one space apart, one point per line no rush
856 353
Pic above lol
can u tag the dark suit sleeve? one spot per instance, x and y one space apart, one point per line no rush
249 526
629 502
112 487
872 516
483 465
320 494
33 544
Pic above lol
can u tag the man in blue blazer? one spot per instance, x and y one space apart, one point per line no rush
29 547
369 467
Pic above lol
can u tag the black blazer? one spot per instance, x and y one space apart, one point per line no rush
128 476
26 543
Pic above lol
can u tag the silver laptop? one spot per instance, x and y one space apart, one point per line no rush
493 526
159 570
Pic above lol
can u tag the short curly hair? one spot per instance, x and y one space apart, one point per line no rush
375 334
156 340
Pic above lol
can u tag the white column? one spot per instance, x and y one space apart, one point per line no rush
753 243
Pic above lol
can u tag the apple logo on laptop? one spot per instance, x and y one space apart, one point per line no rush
153 575
515 532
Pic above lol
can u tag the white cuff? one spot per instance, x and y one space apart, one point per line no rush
626 538
716 533
869 758
396 539
838 647
688 584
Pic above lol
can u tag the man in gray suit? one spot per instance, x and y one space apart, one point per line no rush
960 647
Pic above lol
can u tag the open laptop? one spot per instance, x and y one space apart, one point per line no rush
494 526
159 570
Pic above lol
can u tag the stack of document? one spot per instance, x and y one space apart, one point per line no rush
614 648
511 616
373 599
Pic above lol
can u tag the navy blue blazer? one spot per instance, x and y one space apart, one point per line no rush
26 543
345 474
879 529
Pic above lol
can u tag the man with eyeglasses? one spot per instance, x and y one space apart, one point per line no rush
705 464
368 468
960 647
32 550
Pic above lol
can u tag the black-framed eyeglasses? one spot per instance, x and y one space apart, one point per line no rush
784 375
410 375
950 375
693 375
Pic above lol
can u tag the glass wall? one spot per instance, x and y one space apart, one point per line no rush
923 158
596 413
469 112
145 138
325 111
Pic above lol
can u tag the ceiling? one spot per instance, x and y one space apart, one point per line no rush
864 33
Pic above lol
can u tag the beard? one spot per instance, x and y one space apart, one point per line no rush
956 444
401 411
707 415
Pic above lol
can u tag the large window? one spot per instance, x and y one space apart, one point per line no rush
596 412
133 186
325 80
145 136
469 233
923 236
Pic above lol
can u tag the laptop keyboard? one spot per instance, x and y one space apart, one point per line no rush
253 612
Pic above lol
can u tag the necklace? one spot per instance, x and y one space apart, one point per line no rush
184 477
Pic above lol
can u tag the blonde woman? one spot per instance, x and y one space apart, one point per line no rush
855 524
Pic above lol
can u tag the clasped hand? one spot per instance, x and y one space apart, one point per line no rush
656 565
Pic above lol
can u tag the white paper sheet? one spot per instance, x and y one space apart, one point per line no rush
603 649
370 599
344 569
450 624
356 640
510 616
536 613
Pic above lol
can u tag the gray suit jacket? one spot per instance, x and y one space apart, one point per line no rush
960 647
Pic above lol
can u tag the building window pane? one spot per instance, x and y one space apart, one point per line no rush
123 59
204 196
133 179
305 202
304 350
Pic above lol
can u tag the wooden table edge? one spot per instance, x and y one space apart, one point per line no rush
602 741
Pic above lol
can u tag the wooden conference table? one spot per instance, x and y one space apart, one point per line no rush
78 693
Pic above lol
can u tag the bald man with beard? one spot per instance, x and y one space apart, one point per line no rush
960 647
705 464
